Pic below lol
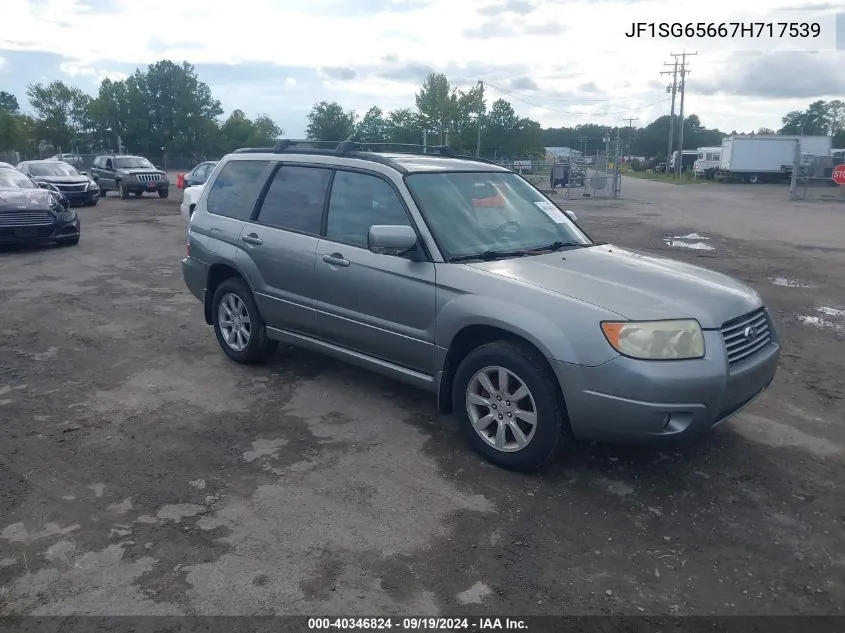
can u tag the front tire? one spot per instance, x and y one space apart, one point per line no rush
163 193
124 192
509 406
240 330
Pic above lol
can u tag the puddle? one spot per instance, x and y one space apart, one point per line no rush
696 246
833 318
790 283
691 236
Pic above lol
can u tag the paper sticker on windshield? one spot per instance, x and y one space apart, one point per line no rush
555 214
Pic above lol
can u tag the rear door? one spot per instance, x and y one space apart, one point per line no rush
378 304
281 240
228 205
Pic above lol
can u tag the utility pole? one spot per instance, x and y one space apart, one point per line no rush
684 72
478 137
674 74
630 121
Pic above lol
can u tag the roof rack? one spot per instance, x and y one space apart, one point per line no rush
363 150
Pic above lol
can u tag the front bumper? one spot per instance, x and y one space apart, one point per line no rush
633 400
29 234
149 187
82 197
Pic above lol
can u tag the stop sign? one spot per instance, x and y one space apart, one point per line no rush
839 175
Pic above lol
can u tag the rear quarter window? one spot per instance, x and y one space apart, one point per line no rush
235 189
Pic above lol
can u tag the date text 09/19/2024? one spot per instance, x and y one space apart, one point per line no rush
726 30
419 624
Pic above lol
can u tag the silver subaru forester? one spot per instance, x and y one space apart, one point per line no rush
458 276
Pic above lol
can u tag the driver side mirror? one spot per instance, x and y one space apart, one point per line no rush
571 215
385 239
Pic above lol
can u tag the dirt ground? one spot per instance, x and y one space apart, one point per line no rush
143 473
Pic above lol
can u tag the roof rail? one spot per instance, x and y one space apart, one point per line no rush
362 150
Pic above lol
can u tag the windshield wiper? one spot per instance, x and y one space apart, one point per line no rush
554 246
488 255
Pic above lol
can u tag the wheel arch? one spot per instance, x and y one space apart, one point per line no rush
469 338
217 274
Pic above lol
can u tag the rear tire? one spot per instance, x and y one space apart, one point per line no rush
103 192
525 372
239 328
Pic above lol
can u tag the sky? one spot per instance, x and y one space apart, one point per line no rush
565 62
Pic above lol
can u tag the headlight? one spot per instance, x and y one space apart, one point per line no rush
656 340
93 185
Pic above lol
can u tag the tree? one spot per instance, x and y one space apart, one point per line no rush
404 126
435 104
239 131
500 129
765 131
372 128
61 112
9 102
328 121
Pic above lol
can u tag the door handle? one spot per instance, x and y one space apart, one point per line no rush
335 259
252 238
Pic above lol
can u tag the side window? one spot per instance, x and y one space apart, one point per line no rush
234 191
108 163
203 171
295 199
359 201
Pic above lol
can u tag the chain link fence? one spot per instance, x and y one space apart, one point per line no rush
812 179
596 179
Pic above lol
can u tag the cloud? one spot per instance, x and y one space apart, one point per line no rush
343 73
778 75
3 63
523 83
488 30
522 7
590 87
546 28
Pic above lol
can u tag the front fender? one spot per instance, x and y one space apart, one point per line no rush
572 336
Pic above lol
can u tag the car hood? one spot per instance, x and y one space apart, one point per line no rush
25 199
62 180
139 170
635 286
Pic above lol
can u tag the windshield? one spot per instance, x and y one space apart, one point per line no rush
132 162
52 169
470 213
13 179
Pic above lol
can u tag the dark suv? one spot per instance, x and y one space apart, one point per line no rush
78 187
129 175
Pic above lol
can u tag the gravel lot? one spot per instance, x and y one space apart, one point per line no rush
141 472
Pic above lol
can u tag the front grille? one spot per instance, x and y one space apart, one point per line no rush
149 177
735 333
25 218
72 188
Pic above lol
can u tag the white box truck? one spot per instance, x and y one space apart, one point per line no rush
707 161
757 158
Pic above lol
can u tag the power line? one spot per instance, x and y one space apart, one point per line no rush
616 100
569 112
630 121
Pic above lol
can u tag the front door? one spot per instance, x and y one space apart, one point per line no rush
377 304
282 240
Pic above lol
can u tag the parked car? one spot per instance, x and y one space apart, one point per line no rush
34 213
129 175
79 188
189 201
71 159
199 174
458 276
